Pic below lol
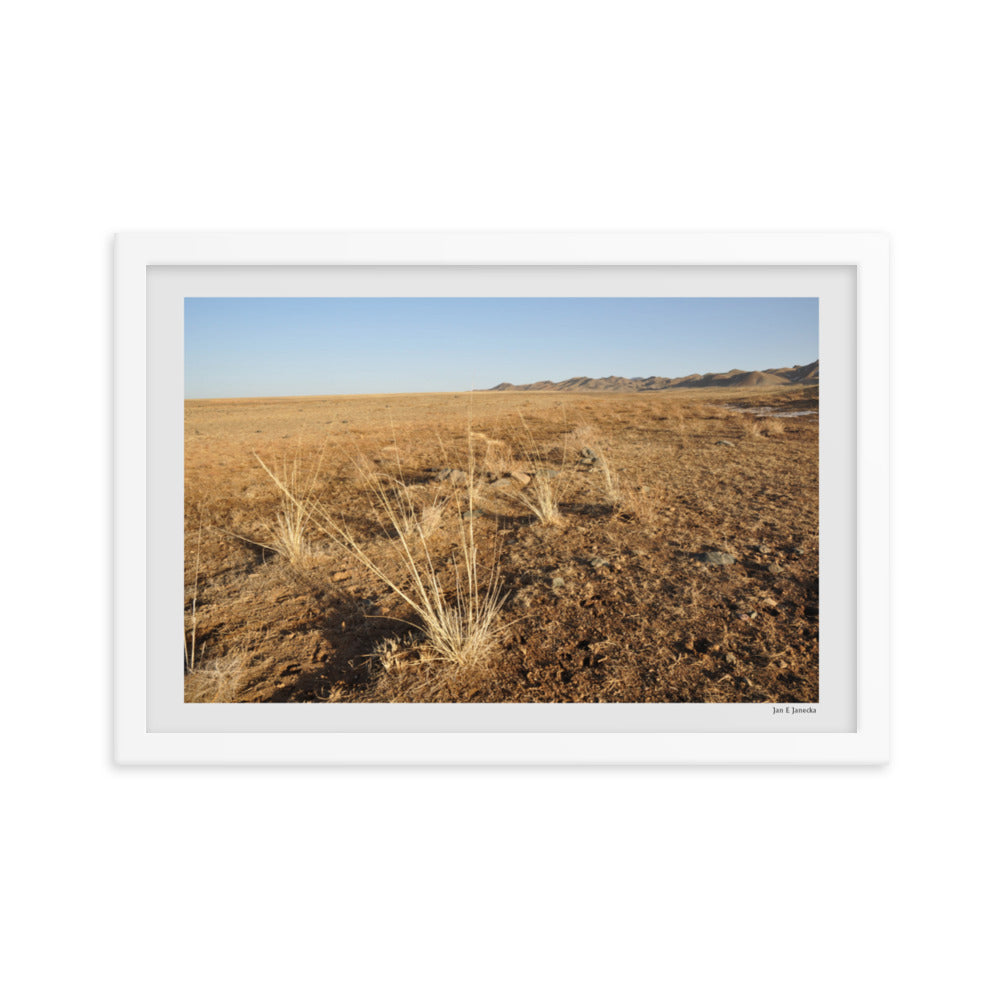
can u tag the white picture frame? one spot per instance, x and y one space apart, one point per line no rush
861 388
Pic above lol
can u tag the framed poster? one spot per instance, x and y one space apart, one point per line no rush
502 498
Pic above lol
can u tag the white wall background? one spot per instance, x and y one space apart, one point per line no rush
533 115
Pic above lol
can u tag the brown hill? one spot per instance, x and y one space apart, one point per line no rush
805 373
757 378
734 378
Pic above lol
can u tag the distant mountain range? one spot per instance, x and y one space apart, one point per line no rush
733 379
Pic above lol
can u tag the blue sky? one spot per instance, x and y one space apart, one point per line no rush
329 346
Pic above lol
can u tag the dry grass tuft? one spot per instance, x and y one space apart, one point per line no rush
414 517
542 494
541 497
610 480
765 427
628 498
406 670
498 457
457 607
221 679
288 532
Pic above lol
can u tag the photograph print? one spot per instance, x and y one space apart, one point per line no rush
501 500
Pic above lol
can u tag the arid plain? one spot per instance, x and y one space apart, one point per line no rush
504 546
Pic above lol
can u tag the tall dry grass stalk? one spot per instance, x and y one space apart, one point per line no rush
610 480
191 646
289 531
632 500
498 456
541 495
457 607
413 517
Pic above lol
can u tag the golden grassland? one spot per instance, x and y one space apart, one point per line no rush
503 547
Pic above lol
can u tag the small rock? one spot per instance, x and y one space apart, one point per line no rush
468 515
589 453
557 582
451 476
713 557
799 551
598 562
730 658
727 444
547 473
520 478
774 568
762 549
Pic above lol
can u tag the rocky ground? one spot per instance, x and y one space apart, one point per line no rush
679 564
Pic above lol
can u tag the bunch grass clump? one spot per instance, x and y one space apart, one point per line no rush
541 497
458 605
289 535
764 427
543 493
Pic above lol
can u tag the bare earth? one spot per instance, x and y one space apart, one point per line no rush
618 599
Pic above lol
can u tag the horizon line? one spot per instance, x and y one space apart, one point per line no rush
495 388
